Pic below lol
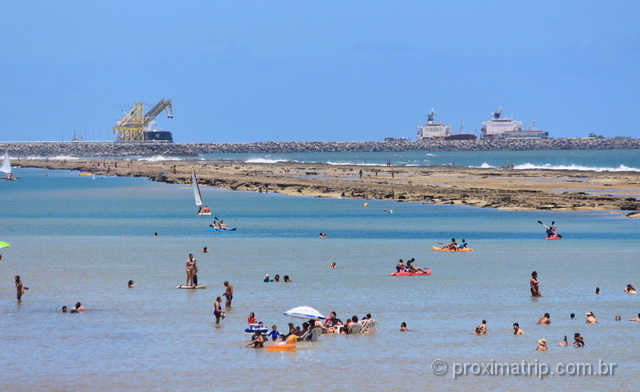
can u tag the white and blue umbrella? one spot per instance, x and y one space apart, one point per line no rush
304 312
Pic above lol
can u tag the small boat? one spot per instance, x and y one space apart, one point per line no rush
6 167
230 229
427 272
436 248
197 194
553 237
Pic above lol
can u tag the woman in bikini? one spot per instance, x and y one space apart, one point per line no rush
190 265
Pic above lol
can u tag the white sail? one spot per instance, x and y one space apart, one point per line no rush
6 164
196 189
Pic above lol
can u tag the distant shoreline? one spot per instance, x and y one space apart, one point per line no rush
487 188
88 149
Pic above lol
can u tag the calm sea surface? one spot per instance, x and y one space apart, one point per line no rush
81 239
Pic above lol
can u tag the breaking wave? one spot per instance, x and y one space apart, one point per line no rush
547 166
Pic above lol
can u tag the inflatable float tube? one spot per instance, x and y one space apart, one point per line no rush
231 229
452 250
288 345
552 237
252 330
427 272
281 347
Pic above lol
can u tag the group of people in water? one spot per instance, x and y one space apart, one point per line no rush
77 309
331 324
276 278
534 287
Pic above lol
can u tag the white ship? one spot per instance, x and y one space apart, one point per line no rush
506 128
433 129
437 130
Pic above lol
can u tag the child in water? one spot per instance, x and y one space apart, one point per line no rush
274 334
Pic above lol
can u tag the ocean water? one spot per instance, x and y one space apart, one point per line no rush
598 160
81 239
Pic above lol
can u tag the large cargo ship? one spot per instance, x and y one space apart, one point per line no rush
506 128
437 130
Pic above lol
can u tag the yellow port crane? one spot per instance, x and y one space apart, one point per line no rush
133 127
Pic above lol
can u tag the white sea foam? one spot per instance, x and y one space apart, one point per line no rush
264 160
56 158
547 166
160 158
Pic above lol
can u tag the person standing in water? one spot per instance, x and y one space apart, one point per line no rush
228 294
217 311
189 269
533 283
19 288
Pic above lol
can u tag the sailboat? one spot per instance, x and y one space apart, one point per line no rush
198 196
6 166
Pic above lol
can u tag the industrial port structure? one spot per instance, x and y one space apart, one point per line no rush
138 126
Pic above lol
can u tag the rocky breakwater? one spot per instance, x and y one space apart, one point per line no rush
85 149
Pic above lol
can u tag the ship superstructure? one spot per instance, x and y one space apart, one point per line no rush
506 128
433 129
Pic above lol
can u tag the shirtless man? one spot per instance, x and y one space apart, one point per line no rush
482 328
517 330
228 294
546 319
453 245
591 319
533 284
635 319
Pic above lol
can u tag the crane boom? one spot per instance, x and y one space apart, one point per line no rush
133 125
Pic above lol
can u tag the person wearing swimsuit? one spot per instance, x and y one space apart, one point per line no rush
189 268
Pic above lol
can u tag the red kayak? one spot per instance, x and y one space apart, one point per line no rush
553 237
427 272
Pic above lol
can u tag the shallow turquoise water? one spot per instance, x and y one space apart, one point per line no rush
81 239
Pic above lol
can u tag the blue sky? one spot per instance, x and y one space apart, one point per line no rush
317 71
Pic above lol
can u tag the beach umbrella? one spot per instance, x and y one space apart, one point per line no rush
304 312
4 244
